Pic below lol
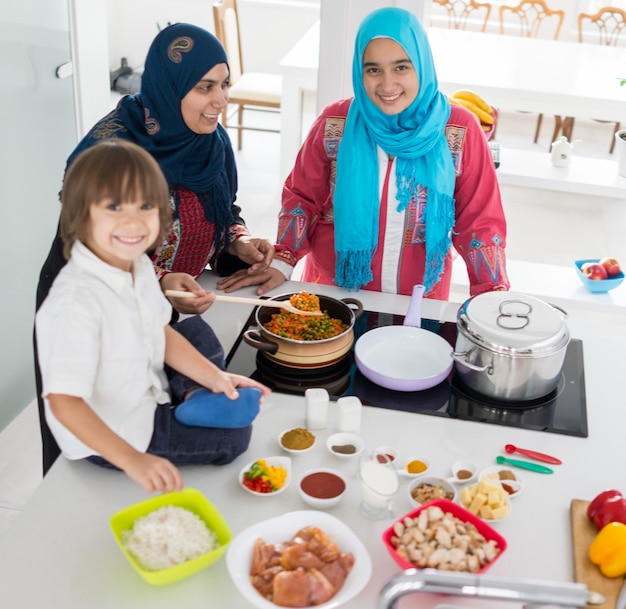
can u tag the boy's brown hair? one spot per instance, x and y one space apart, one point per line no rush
114 169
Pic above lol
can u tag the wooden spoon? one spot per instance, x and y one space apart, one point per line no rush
279 304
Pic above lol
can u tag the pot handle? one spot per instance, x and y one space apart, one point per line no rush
563 312
413 316
254 339
358 311
461 358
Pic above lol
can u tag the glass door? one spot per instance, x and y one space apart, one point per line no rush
38 133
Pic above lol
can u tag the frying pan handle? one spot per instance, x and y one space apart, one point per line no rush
414 314
461 358
254 339
358 311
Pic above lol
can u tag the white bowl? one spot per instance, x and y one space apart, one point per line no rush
517 485
404 470
345 439
465 466
284 462
390 451
434 482
283 528
322 488
293 450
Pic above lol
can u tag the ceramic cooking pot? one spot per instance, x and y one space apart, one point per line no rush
510 346
407 357
306 353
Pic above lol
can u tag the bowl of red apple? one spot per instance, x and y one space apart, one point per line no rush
599 274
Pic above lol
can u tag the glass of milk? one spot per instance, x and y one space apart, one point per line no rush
379 484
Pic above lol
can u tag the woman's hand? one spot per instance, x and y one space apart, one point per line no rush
182 282
266 280
253 251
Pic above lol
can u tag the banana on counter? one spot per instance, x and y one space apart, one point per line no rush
475 104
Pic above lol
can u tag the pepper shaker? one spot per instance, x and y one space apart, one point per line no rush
317 400
349 414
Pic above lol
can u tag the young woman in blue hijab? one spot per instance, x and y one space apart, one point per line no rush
184 88
388 181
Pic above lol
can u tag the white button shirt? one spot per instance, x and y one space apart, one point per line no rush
101 337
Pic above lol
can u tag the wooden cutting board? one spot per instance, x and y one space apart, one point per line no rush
585 572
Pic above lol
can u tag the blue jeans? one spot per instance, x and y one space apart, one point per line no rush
182 444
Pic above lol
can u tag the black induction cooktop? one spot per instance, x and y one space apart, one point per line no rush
564 411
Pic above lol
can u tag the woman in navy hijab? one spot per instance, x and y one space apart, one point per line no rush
184 88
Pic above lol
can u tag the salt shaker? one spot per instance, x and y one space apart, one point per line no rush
317 400
349 414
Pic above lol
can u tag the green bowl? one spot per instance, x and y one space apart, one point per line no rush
195 502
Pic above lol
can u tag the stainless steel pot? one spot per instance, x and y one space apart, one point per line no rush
510 346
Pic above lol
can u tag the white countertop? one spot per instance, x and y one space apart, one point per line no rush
60 552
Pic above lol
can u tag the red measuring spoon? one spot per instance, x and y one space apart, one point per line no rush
510 448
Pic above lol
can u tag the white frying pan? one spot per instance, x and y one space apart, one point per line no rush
407 357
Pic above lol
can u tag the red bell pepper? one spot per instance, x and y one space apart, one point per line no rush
608 506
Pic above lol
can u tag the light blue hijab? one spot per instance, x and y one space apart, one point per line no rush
415 136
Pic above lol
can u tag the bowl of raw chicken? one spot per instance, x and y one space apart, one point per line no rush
335 556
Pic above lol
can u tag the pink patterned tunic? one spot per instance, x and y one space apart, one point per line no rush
306 227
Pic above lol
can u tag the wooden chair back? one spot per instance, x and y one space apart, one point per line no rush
460 11
529 16
606 26
226 21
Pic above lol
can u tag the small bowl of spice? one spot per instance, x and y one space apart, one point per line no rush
510 481
322 488
423 490
415 466
345 445
388 453
296 440
463 472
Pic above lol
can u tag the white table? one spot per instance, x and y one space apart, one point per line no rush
60 554
515 73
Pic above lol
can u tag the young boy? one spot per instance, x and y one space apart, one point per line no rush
104 337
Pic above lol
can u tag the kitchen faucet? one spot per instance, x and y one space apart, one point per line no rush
530 592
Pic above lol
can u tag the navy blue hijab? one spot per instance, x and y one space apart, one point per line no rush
178 58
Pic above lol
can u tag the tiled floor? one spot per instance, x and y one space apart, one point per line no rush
259 196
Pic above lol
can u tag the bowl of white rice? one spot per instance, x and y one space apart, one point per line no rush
172 536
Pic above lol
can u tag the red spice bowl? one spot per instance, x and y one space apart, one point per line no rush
322 488
408 554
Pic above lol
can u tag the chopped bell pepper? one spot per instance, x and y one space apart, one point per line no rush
608 549
608 506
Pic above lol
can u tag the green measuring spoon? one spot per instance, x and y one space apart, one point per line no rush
534 467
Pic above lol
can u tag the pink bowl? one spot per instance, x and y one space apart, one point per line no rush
489 134
459 512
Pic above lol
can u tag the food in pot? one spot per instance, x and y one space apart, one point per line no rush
300 327
168 536
264 478
309 569
486 499
425 492
297 439
439 540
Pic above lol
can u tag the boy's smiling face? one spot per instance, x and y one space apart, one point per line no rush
120 233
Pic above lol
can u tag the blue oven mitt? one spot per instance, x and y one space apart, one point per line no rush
207 409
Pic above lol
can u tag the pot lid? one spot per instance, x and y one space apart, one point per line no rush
514 320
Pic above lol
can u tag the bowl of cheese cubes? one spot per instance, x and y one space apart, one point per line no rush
487 498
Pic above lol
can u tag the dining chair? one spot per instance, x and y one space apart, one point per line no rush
460 12
253 90
606 27
529 19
